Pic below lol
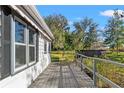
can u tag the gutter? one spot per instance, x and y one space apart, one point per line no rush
48 33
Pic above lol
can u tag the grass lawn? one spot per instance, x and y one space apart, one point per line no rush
111 71
64 57
114 56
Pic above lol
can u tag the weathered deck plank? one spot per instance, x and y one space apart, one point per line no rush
62 76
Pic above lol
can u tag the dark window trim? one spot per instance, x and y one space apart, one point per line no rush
5 21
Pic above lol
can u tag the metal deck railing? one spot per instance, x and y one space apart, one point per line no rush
105 73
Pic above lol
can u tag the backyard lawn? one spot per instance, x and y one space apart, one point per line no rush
63 57
111 71
114 56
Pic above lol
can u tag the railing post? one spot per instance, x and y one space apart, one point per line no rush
94 73
81 64
76 57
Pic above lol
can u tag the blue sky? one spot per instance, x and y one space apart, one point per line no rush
100 13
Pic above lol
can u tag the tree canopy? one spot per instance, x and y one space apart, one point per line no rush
85 32
114 32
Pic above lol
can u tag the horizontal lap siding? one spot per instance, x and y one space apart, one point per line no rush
43 58
41 48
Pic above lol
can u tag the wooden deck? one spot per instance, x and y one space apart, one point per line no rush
62 76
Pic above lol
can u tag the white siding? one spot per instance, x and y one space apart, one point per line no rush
24 78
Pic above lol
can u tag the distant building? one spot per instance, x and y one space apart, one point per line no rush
99 46
25 42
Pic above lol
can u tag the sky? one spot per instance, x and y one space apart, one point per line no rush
73 13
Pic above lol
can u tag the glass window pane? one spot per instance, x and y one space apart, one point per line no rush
0 20
0 10
49 47
0 53
31 54
0 43
31 37
0 26
19 32
0 31
20 55
45 46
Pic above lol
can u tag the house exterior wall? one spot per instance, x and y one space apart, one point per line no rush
24 77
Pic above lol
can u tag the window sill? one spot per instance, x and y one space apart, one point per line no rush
22 68
31 63
16 70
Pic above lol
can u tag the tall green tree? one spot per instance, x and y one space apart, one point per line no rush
58 25
85 33
69 40
114 31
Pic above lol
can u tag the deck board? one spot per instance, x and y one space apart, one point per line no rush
62 76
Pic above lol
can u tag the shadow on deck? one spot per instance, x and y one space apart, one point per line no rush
62 76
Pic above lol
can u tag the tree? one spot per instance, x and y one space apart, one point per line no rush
58 25
114 32
85 33
69 40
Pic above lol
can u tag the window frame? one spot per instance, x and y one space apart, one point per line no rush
31 45
49 47
45 46
15 70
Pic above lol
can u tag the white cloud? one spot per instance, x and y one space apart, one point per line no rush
109 13
78 18
70 22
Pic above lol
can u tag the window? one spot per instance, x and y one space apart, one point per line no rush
19 32
25 45
32 45
31 37
20 55
20 45
45 46
37 46
49 47
31 54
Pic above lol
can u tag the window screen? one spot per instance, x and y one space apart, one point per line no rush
37 47
19 32
32 44
31 54
49 46
31 36
45 46
20 45
20 56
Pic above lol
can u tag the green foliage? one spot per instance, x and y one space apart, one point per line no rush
114 56
58 25
57 56
85 33
114 32
108 70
